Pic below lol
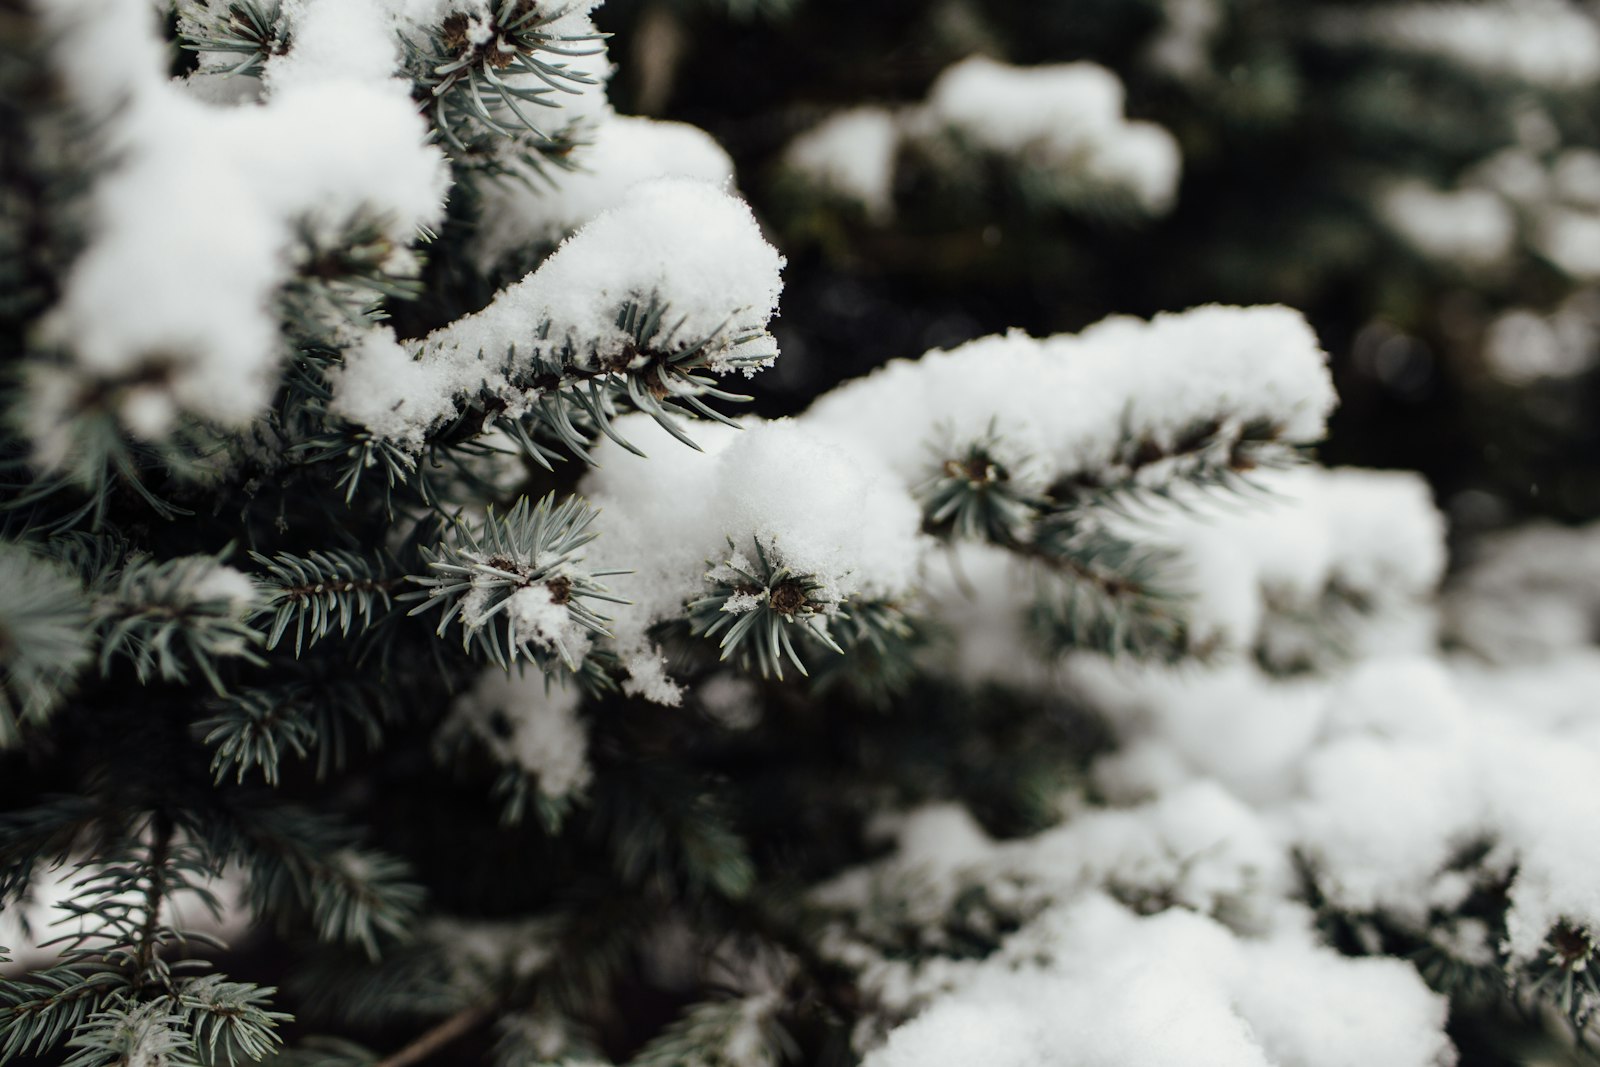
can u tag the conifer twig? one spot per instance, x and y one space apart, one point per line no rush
458 1025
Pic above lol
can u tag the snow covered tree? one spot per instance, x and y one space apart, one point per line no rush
409 651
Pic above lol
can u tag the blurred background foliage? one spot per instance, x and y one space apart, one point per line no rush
1292 117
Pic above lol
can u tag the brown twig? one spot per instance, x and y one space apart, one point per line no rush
431 1041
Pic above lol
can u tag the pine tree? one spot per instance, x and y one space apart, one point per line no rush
411 650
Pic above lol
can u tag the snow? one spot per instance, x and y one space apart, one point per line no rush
619 153
1182 47
977 592
1384 778
685 244
382 386
1552 44
1093 984
1528 594
1070 403
220 583
1369 537
1576 176
1569 238
813 505
543 734
194 226
1523 346
1065 117
851 154
1472 226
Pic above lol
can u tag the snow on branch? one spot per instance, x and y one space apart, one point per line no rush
1062 127
1124 404
1552 44
675 280
169 311
767 498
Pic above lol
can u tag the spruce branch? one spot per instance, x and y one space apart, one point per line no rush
755 604
483 71
343 277
1564 975
973 495
1299 636
228 1021
663 828
514 583
577 389
127 1032
167 616
305 865
39 1009
317 714
1213 455
1101 593
44 638
437 1037
80 461
881 640
254 31
319 592
736 1032
42 835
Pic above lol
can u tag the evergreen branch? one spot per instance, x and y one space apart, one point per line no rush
229 1021
313 715
1218 454
44 834
578 391
81 460
462 73
44 638
1299 637
519 569
1103 594
118 904
256 729
128 1033
737 1032
973 496
326 1052
167 616
302 863
881 641
253 31
343 279
754 605
319 591
1565 975
437 1037
662 828
39 1009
